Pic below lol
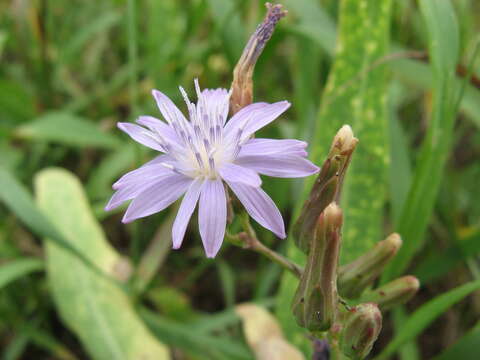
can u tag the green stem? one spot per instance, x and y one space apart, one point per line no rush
249 240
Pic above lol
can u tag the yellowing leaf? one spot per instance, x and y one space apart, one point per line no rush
90 303
264 335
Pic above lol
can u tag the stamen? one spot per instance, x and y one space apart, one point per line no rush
211 162
207 145
199 159
212 134
218 130
198 132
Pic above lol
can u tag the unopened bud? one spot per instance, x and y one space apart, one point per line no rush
396 292
361 329
242 85
355 277
343 142
326 188
315 302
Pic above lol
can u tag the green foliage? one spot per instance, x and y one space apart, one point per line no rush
428 312
466 348
444 52
93 306
72 69
356 93
67 129
17 268
182 336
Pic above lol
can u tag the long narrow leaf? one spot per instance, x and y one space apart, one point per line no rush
444 51
424 316
17 268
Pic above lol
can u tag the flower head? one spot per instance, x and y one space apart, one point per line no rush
202 153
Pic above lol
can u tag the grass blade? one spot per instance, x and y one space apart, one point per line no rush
17 268
19 201
424 316
181 335
444 51
68 129
466 348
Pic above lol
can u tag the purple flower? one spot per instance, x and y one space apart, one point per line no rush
200 155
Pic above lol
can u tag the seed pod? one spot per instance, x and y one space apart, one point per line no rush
326 187
361 329
316 299
396 292
355 277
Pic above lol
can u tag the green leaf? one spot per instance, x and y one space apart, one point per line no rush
18 200
313 22
227 279
154 255
444 51
424 316
400 172
92 306
356 94
409 350
16 104
17 268
466 348
68 129
99 25
437 264
112 166
228 26
185 337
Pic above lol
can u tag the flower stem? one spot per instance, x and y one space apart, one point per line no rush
249 240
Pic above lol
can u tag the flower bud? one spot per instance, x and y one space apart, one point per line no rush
343 142
326 187
242 85
355 277
396 292
316 299
361 329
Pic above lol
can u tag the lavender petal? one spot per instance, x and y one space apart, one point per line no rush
212 216
258 146
285 166
239 119
161 128
260 207
146 173
157 197
235 173
124 194
185 213
168 109
254 117
141 135
217 99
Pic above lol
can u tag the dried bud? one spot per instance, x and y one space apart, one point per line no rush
361 329
316 299
355 277
327 186
396 292
242 85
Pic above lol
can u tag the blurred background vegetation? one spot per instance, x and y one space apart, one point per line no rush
71 69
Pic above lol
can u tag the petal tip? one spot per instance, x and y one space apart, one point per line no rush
126 220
